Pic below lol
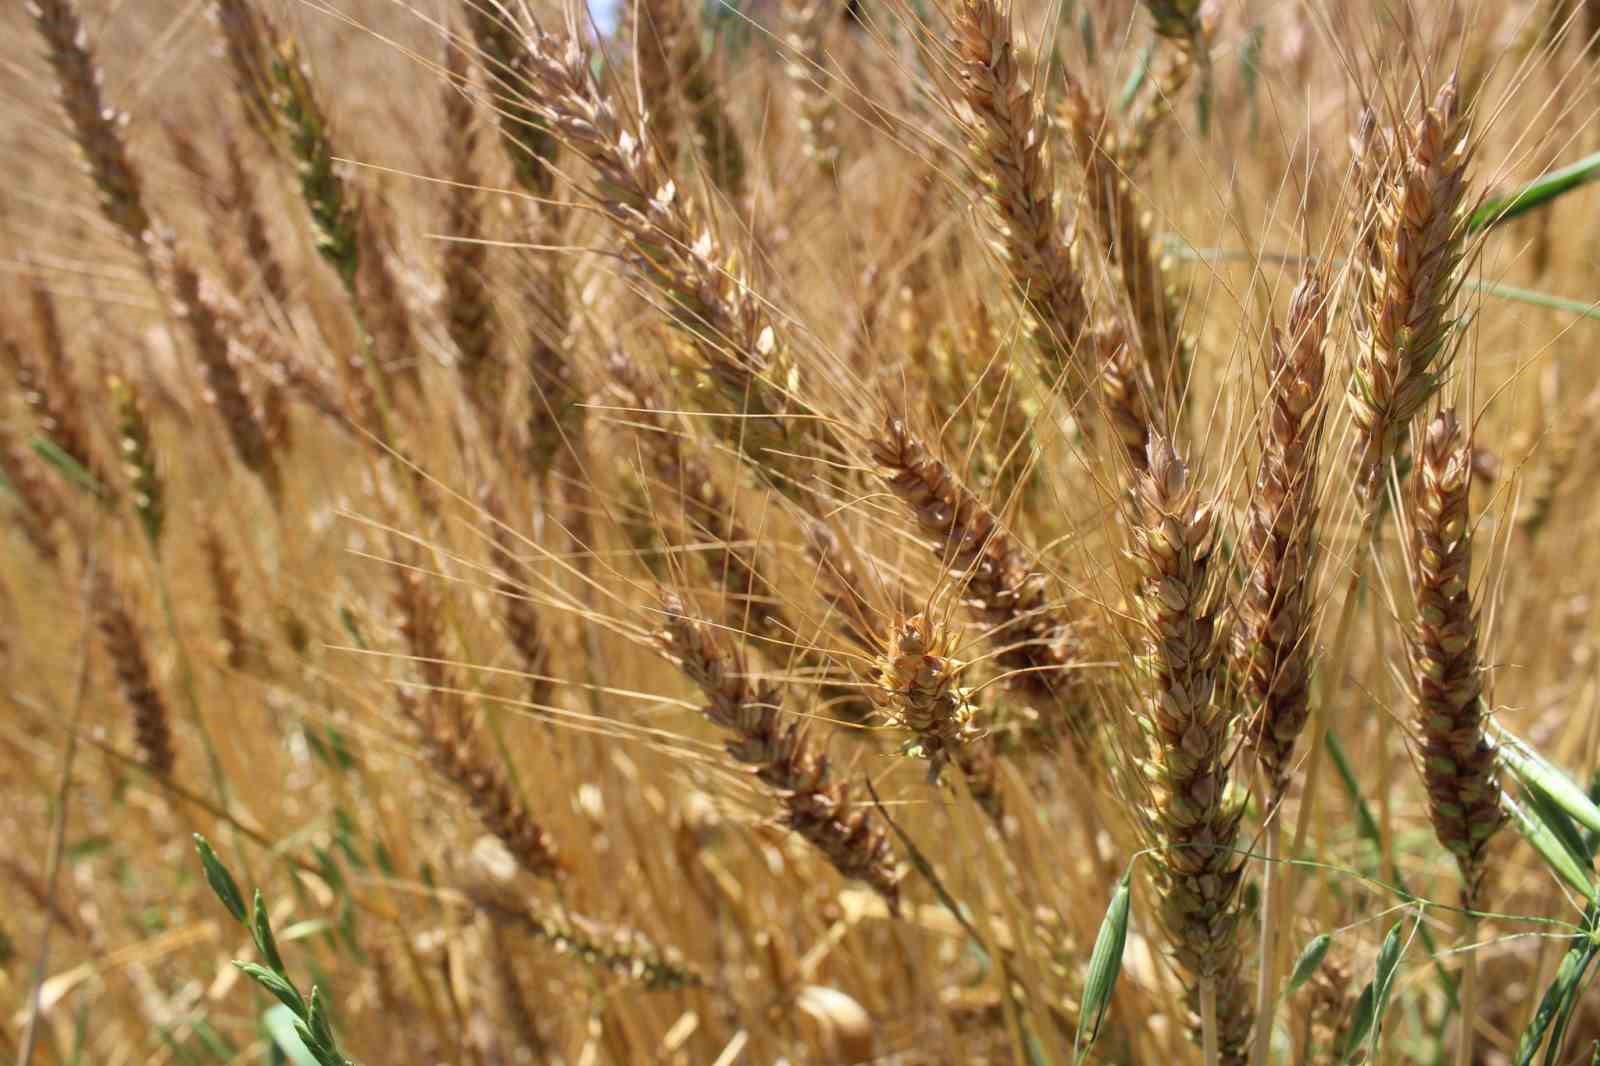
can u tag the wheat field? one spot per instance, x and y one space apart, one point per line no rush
908 531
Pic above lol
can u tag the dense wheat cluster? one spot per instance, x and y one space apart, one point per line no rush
977 531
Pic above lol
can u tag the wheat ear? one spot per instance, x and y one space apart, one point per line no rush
1413 250
96 126
137 452
1002 588
704 290
816 806
449 736
1189 813
1458 763
124 645
1009 152
1272 634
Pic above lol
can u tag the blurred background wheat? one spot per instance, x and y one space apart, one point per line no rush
970 531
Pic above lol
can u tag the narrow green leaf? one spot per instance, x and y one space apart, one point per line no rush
277 984
1136 80
1537 772
1360 1023
1105 964
1518 294
1549 846
69 468
221 881
1308 962
1569 1004
302 929
1571 838
318 1020
261 931
1388 961
279 1022
1536 193
1367 827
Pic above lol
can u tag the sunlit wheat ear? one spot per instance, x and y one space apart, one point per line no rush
675 24
213 328
704 290
449 735
246 48
96 126
670 456
137 454
1002 588
1410 270
520 617
1009 151
503 47
125 647
1457 762
1272 638
920 690
1128 392
780 751
302 124
239 648
1187 717
262 261
1123 227
492 889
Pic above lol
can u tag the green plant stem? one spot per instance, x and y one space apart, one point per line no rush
1469 991
1267 975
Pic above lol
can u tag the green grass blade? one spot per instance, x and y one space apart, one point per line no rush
1383 981
279 1022
1367 828
69 468
1308 962
1535 194
220 880
1539 774
1105 964
1548 844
